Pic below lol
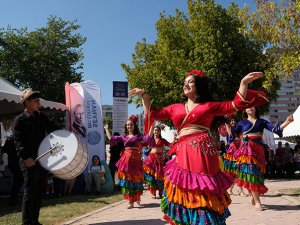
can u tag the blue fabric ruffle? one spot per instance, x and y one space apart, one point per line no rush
196 216
130 184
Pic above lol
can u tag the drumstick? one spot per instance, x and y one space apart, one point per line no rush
45 153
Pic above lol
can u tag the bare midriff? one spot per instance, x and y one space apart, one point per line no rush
190 131
155 149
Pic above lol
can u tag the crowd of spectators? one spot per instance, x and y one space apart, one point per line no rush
284 162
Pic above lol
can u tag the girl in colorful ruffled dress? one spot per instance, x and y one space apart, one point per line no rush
130 165
233 143
195 187
250 156
154 163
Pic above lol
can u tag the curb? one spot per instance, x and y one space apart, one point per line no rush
76 219
296 202
293 200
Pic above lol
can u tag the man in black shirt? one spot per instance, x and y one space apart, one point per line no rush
30 128
115 152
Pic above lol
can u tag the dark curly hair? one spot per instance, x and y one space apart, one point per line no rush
135 130
202 90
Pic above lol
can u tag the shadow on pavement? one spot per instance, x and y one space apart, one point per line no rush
132 222
150 205
281 207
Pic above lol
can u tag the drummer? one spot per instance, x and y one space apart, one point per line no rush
29 129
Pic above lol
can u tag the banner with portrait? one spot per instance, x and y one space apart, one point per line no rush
85 116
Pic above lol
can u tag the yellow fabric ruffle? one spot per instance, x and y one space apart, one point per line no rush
132 177
229 157
149 171
245 159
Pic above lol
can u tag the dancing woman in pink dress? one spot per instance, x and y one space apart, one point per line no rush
130 165
233 143
154 163
195 189
250 156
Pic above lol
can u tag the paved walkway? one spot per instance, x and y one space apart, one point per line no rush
281 209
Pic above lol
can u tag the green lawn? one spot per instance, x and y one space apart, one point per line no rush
58 210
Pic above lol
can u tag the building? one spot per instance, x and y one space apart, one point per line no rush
107 111
140 122
288 99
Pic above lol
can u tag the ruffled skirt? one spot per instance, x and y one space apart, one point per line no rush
154 173
251 162
230 167
130 174
195 188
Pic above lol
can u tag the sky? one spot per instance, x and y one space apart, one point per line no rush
112 29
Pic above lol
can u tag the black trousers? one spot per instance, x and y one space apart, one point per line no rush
35 178
17 181
113 169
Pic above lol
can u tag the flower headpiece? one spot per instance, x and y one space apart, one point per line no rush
133 118
195 72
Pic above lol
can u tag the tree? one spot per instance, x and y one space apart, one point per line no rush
277 28
43 59
108 120
208 39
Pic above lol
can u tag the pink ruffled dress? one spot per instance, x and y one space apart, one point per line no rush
130 165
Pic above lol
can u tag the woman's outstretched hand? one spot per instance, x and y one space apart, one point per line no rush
290 119
136 91
251 77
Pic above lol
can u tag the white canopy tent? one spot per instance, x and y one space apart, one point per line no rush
293 129
10 100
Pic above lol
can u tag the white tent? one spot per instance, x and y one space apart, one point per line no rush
293 129
10 100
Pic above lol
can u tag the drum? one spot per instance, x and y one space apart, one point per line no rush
62 154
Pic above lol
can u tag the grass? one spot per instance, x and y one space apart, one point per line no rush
293 192
58 210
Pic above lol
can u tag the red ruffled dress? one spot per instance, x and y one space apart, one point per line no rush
153 167
195 187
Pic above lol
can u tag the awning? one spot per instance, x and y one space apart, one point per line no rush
10 100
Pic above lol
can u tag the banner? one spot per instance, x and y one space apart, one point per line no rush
120 105
85 116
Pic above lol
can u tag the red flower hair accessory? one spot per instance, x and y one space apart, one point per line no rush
133 118
195 72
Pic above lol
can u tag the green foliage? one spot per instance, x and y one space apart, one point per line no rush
208 38
276 27
108 120
43 59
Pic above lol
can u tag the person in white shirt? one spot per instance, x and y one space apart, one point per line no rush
96 173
